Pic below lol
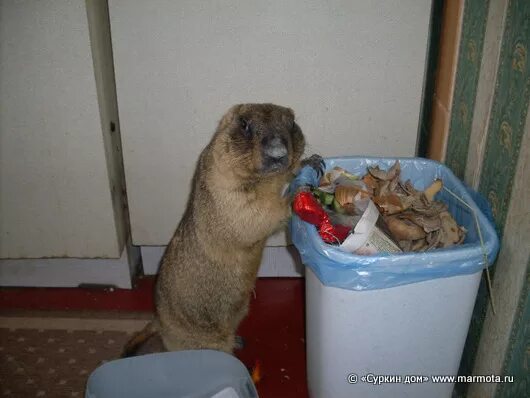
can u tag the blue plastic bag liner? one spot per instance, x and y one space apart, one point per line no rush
190 374
335 267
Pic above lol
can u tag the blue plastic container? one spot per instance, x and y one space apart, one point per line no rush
182 374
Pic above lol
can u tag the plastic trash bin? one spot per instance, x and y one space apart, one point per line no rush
182 374
383 325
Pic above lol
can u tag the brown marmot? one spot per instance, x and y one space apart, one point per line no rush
209 268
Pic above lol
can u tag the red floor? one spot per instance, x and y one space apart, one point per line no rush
273 330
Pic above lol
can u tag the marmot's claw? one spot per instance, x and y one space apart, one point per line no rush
316 162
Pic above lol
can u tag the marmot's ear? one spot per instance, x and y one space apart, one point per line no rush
290 118
230 117
233 112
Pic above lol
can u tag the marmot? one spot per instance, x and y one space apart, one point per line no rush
209 268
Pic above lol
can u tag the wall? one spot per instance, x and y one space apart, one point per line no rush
352 71
54 190
489 146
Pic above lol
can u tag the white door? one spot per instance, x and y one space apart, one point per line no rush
352 71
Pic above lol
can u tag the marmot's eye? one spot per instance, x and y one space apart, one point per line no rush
246 127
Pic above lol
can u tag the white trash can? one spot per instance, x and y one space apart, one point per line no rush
417 329
383 326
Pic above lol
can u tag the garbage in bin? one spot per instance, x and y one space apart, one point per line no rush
335 267
401 316
384 213
408 220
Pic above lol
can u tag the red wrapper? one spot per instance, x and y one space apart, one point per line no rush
308 209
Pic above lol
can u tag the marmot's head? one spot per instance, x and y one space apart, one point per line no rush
260 139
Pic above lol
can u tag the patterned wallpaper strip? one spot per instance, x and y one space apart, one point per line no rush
508 113
467 76
518 357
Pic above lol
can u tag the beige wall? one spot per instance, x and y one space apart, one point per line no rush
55 192
351 70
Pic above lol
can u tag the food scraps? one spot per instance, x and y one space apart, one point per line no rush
370 235
378 213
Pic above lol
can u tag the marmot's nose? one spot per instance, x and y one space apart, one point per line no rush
275 148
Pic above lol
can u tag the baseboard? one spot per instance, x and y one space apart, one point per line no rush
278 261
71 272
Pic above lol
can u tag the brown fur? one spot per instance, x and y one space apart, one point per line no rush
209 268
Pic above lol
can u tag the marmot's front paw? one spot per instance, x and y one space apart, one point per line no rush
316 162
